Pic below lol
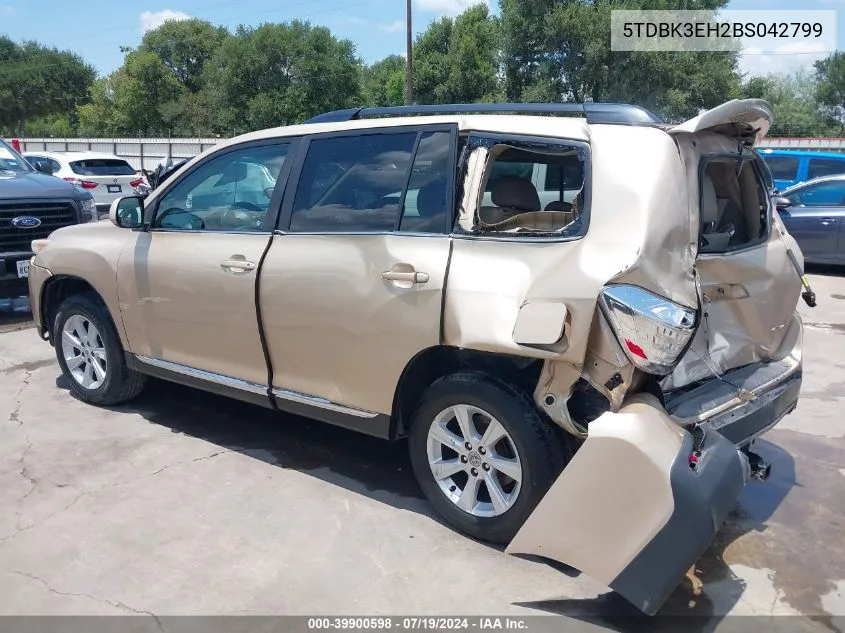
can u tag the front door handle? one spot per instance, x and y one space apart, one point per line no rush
407 277
237 264
828 221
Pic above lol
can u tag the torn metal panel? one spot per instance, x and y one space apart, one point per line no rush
748 295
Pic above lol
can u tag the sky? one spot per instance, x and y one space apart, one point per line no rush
96 29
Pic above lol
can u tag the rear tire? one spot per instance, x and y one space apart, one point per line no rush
486 487
90 353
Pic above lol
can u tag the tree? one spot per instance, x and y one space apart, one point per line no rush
457 60
279 74
184 47
560 51
792 97
830 91
383 83
37 81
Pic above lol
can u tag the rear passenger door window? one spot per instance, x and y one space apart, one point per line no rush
374 183
782 167
825 167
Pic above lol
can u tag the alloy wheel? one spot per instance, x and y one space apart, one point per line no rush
84 352
474 460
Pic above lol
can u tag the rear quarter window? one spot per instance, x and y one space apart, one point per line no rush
102 167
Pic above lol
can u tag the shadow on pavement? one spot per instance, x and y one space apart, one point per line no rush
15 314
381 470
366 465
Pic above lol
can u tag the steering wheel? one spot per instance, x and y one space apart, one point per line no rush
192 221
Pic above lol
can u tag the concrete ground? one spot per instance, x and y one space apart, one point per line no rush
186 503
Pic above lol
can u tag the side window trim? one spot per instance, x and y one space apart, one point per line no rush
272 216
283 225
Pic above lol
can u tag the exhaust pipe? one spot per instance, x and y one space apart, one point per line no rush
760 468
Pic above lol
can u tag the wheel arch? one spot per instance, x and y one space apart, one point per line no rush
57 288
434 362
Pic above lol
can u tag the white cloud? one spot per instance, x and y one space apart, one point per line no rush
153 19
393 27
354 19
784 59
448 7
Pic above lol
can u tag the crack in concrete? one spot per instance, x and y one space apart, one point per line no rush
117 605
14 416
179 463
84 493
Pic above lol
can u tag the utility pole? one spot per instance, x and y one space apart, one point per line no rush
409 63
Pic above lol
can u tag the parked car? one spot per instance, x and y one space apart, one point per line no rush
790 167
164 170
32 205
813 213
106 176
559 386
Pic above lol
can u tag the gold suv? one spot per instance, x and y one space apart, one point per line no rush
580 323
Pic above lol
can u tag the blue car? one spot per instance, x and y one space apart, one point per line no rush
790 167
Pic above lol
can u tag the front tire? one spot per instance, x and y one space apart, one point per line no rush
90 353
483 455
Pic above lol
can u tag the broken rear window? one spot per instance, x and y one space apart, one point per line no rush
531 188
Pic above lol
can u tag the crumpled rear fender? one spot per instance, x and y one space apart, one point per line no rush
628 509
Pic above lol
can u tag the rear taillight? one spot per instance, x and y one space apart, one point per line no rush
85 184
136 182
653 331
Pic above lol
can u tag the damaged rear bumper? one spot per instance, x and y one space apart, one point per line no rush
644 496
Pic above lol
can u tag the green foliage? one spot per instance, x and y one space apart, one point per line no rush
278 74
37 81
796 112
560 51
383 83
456 60
184 47
191 78
830 90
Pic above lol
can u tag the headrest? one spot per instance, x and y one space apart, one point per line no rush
709 201
558 205
514 192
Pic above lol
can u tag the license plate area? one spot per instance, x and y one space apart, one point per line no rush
23 268
113 188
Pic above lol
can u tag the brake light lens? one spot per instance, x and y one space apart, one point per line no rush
85 184
136 182
652 330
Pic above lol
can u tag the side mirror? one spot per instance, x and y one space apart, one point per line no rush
782 203
128 212
44 167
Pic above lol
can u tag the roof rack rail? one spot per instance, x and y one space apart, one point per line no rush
593 112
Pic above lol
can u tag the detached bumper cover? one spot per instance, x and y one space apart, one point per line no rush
629 509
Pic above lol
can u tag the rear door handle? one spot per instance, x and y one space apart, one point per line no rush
237 264
828 221
407 277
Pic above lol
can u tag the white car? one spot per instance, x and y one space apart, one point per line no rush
106 176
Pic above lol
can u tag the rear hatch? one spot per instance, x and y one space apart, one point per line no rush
748 286
106 178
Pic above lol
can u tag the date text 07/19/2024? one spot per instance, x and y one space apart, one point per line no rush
416 623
